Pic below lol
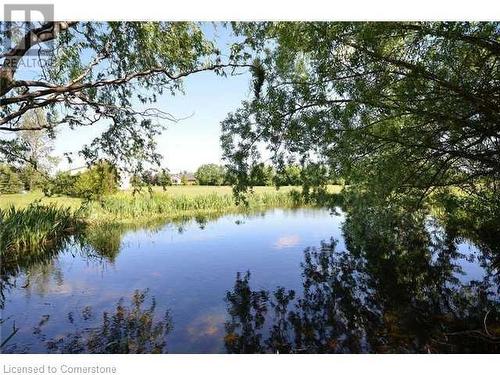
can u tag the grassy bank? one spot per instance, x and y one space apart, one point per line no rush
23 200
32 227
174 201
28 221
123 207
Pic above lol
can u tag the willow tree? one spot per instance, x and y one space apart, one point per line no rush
398 109
89 73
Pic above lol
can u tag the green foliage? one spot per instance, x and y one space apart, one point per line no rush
163 179
124 63
399 109
289 175
32 178
210 174
63 183
10 183
150 178
123 207
136 182
101 179
262 175
31 228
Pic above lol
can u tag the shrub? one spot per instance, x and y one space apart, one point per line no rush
63 183
210 174
101 179
163 179
289 175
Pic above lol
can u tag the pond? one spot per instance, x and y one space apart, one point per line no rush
298 281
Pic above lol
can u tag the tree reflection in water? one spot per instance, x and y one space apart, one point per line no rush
128 330
395 289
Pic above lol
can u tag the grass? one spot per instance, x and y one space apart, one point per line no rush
32 227
23 200
124 207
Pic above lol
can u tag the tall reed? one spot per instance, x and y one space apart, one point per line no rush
123 207
33 227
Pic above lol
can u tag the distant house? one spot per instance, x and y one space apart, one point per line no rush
177 178
190 178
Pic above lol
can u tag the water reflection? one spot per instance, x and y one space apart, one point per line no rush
396 289
131 329
32 271
387 281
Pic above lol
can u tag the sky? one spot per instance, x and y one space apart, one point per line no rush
192 141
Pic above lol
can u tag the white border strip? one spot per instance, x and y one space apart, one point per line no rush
290 10
252 365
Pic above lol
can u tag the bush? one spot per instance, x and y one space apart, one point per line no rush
289 175
163 179
63 183
10 183
210 174
101 179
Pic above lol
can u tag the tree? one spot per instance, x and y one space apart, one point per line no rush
9 180
210 174
38 146
32 178
184 180
126 66
398 109
163 179
101 179
262 175
63 183
148 177
289 175
136 182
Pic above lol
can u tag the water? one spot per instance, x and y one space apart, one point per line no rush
185 272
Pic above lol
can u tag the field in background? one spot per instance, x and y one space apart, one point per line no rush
23 200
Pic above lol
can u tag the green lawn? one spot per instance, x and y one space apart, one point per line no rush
22 200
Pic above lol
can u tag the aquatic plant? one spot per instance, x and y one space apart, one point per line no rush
30 229
123 206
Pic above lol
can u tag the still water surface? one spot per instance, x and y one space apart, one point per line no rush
188 277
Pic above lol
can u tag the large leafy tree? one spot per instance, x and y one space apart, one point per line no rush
99 72
210 174
399 109
35 159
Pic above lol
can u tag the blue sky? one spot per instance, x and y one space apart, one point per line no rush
190 142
